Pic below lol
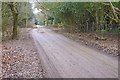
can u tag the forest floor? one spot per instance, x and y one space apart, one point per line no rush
109 46
20 58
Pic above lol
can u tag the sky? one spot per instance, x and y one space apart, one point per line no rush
35 10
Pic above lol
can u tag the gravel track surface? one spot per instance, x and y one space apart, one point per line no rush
65 58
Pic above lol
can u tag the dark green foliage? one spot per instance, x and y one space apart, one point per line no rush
82 16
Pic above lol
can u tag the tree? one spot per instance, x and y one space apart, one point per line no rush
82 17
15 14
15 18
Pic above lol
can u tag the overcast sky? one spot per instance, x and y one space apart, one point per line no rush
35 10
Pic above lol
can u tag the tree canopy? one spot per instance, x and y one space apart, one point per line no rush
83 16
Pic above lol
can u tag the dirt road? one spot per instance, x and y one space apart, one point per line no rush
64 58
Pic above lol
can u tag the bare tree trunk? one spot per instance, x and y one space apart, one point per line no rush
15 26
46 20
97 26
15 19
87 30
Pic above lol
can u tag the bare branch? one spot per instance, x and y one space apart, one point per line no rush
41 5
